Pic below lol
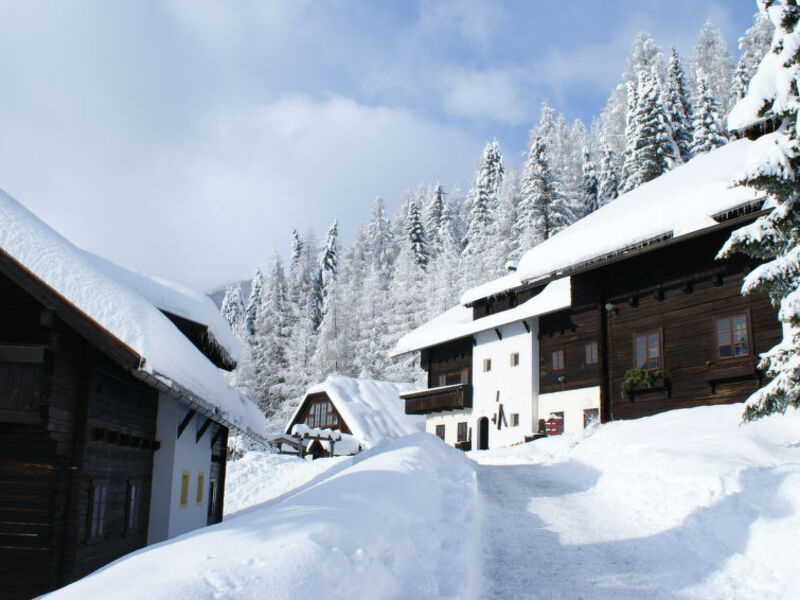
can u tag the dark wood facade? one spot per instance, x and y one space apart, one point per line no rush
318 411
451 397
77 440
677 292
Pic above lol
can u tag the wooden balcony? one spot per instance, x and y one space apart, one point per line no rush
449 397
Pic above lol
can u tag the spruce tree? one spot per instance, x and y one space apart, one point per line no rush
775 236
433 217
608 183
654 150
590 186
328 262
416 237
712 57
677 106
484 199
708 131
543 207
629 167
754 44
253 302
232 308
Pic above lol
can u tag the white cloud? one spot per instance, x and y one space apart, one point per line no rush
488 94
212 209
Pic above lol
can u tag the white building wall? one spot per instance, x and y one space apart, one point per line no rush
512 386
174 456
450 419
572 403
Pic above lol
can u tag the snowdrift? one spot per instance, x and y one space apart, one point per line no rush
393 522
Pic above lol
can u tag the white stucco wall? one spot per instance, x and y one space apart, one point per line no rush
512 386
167 517
450 419
572 403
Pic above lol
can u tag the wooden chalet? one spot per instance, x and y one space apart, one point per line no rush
345 415
113 416
652 321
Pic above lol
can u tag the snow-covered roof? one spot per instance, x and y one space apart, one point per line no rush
106 297
678 203
178 300
491 288
457 322
372 409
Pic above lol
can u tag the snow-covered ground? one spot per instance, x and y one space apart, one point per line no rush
687 504
396 521
258 477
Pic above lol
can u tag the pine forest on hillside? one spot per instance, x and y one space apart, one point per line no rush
341 308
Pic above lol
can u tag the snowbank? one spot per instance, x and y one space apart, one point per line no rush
685 504
371 409
260 476
86 282
457 322
394 522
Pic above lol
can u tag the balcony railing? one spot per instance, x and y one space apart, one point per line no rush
449 397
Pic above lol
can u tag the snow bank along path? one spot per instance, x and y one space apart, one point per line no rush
686 504
393 522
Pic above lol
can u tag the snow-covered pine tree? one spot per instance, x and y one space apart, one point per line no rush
654 150
270 342
542 204
590 185
253 302
775 237
608 184
645 56
627 178
712 57
433 217
380 239
328 261
417 238
708 132
677 106
232 308
754 44
484 199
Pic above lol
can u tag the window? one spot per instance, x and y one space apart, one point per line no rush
590 417
462 432
98 497
647 350
321 414
515 359
130 506
558 360
453 377
514 419
184 489
732 337
201 482
487 365
440 431
591 354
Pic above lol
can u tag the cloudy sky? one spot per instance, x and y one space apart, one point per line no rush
186 138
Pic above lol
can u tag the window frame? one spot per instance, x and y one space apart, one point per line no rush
321 414
715 340
440 431
487 365
462 428
646 333
97 508
200 491
183 498
562 360
514 420
591 350
514 359
132 495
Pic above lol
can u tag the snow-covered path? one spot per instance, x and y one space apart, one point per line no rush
687 505
523 558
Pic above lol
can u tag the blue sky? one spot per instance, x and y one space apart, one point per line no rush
186 138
